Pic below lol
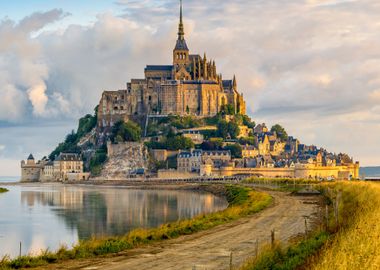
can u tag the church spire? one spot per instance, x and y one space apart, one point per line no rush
181 43
181 28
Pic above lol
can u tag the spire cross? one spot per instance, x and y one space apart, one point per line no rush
181 13
181 32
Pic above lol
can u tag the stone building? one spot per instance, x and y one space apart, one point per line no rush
68 166
31 170
191 85
189 161
217 158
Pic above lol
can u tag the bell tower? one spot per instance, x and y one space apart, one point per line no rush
181 51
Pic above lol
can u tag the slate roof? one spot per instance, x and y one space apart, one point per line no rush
68 157
159 68
181 45
30 157
227 83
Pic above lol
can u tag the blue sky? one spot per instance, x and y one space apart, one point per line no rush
311 65
82 11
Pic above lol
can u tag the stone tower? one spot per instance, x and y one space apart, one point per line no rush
181 52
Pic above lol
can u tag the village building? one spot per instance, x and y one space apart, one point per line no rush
66 167
249 151
189 161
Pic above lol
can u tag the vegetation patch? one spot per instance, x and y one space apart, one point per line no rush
356 244
349 240
280 258
3 190
243 201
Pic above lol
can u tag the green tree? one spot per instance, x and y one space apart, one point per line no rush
98 160
178 142
247 140
129 132
233 129
85 125
222 129
226 129
228 109
280 131
212 144
247 121
235 149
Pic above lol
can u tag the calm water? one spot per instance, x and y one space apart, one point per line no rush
9 179
47 216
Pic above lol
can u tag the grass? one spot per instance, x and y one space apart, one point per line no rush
243 201
289 258
356 245
3 190
278 181
351 243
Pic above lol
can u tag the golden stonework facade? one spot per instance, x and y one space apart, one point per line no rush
190 86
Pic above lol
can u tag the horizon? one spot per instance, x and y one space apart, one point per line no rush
303 72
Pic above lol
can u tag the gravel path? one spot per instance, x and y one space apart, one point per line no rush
211 249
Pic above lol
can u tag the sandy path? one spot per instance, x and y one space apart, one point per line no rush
211 249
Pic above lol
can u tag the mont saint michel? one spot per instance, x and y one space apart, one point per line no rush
194 135
182 121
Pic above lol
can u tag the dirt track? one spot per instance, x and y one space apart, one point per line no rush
211 249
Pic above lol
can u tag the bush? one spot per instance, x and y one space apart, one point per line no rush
212 145
228 129
126 132
173 143
247 140
97 161
3 190
235 149
280 131
85 125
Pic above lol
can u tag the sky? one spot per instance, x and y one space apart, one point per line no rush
312 66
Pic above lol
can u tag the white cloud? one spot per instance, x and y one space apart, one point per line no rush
306 64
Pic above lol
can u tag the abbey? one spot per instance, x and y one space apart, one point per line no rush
190 86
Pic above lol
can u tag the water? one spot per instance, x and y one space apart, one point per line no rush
9 179
47 216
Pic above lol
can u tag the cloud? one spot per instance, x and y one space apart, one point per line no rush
23 67
306 64
2 147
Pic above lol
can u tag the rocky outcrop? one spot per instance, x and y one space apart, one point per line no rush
124 160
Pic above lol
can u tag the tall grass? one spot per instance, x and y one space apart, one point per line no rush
243 201
352 241
289 258
357 244
285 181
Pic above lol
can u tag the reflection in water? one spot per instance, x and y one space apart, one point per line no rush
50 215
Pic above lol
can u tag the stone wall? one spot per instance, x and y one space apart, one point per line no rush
174 174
